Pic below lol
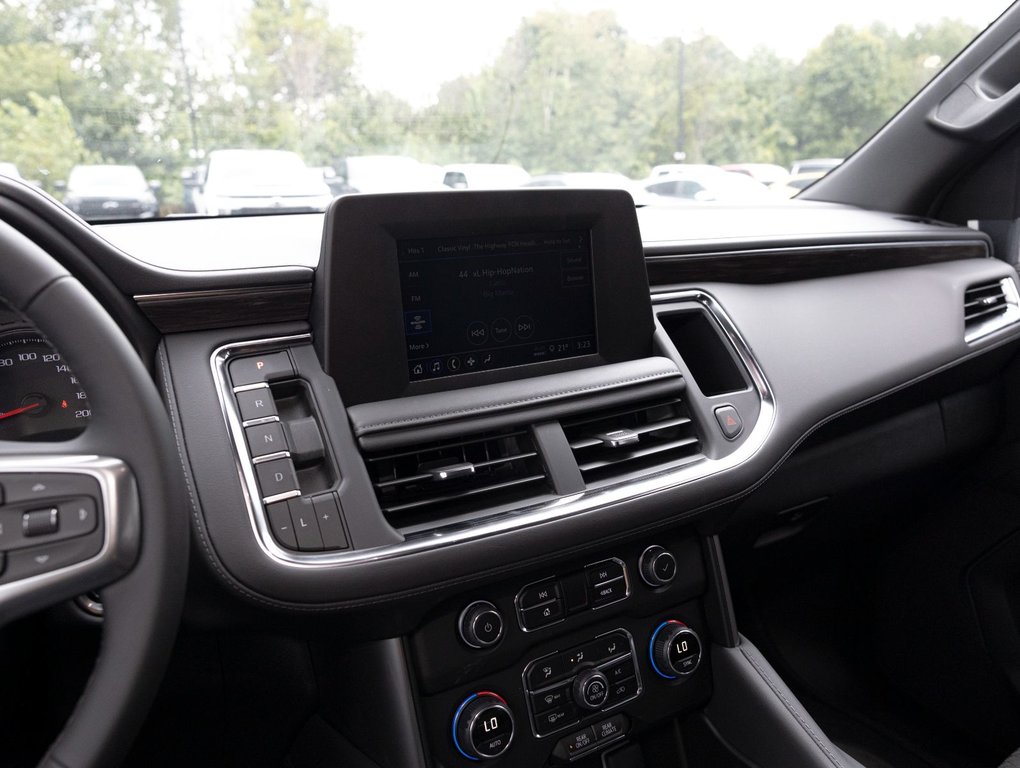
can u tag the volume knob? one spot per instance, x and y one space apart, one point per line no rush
480 625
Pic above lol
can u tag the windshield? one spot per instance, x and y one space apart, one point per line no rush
372 97
99 177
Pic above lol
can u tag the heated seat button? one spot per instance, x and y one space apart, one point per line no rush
265 439
256 404
276 477
260 368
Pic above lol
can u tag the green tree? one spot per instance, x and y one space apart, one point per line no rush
40 139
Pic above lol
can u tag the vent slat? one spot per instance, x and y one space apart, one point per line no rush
667 438
423 503
658 426
990 300
625 456
505 468
969 316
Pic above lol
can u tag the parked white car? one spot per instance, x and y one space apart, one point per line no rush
247 181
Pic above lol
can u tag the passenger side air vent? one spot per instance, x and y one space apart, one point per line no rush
426 484
988 307
637 437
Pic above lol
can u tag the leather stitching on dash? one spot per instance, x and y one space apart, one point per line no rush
523 401
818 740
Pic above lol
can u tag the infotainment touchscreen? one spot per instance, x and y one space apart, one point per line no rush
474 304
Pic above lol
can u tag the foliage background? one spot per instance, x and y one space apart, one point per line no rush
112 81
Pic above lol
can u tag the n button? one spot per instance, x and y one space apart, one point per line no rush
265 439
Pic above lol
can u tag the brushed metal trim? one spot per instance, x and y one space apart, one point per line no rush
121 531
525 517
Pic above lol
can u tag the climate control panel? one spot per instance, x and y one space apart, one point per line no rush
591 677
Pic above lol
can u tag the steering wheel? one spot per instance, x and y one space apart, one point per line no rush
120 481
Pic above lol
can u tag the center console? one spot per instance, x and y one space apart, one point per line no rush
479 442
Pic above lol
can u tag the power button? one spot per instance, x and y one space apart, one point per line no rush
480 625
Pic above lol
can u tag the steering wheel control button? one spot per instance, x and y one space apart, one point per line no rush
729 421
265 439
276 478
306 526
259 369
40 522
480 625
256 404
657 566
281 524
32 561
77 517
591 689
46 488
675 649
483 726
327 513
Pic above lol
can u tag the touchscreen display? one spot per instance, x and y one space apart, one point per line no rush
481 303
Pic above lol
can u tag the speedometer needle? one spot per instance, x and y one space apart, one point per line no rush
16 411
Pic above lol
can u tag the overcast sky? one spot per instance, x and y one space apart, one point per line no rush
410 48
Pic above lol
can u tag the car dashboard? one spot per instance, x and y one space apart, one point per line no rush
517 558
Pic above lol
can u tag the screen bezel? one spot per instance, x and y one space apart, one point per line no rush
357 311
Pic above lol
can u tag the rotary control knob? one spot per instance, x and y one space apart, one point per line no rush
483 726
591 690
675 649
480 625
657 566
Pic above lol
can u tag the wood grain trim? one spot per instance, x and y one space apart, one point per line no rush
780 265
226 308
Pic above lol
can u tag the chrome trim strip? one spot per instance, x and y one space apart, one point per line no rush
536 514
259 422
121 532
281 497
271 457
998 322
250 387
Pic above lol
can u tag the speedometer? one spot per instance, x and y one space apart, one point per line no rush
40 397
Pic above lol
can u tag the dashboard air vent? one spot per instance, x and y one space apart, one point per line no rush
425 484
988 307
637 437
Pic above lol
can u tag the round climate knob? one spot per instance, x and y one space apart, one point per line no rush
657 566
483 726
480 625
675 649
591 689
